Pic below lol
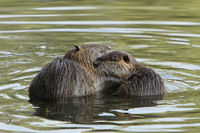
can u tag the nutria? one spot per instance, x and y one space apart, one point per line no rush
139 79
72 75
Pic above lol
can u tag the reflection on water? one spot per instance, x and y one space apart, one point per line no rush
92 108
163 35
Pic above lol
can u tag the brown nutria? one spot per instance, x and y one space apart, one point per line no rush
72 75
139 80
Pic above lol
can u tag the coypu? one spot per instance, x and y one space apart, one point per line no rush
139 80
72 75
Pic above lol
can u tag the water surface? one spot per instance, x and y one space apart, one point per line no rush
163 35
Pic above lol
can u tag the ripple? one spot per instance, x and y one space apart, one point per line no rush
4 37
182 34
6 53
7 127
141 46
171 119
176 65
21 62
198 46
19 87
107 23
25 77
177 86
9 86
22 97
67 8
50 123
5 96
25 16
100 30
20 116
42 47
106 114
103 30
184 73
40 53
157 109
138 36
181 43
14 72
159 127
35 69
179 39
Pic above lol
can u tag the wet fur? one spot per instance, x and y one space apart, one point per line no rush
61 79
143 82
71 76
139 80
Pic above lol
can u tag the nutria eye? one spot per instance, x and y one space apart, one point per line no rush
75 48
126 59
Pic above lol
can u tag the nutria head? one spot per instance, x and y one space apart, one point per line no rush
86 54
119 64
139 80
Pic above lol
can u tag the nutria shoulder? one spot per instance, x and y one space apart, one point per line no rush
139 80
72 75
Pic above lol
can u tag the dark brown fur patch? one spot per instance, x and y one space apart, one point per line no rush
144 82
61 79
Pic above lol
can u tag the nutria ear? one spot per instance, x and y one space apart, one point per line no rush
126 58
75 48
115 58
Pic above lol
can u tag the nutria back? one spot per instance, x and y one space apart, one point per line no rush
139 80
61 79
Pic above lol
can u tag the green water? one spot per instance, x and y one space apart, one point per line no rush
163 35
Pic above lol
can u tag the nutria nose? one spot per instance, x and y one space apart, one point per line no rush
96 63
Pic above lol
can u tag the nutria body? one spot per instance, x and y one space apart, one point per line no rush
71 76
139 80
61 79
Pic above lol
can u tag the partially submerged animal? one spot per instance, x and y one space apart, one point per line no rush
73 75
139 80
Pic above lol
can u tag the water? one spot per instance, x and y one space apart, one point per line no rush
160 34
